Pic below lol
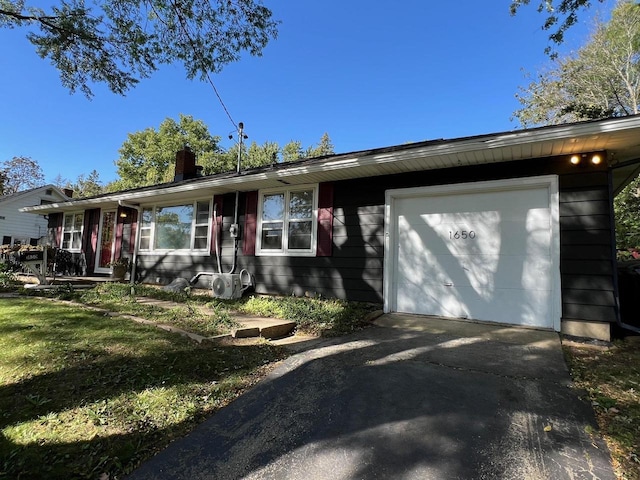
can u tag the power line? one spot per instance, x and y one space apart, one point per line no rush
185 29
224 107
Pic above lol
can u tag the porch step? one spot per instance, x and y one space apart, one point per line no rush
261 327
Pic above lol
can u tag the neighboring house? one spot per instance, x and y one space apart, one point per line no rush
514 227
17 227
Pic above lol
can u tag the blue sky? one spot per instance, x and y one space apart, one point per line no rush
367 74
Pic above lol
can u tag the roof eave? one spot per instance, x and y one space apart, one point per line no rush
422 156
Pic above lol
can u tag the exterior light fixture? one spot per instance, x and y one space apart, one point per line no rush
596 159
575 159
123 214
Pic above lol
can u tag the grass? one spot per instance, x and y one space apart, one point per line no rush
326 317
83 394
185 314
612 381
202 315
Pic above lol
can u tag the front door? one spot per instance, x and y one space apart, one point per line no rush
106 241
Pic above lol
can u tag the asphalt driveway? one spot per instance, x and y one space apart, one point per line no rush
414 398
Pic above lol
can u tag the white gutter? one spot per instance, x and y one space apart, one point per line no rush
368 158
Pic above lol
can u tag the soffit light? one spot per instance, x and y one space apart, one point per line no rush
596 159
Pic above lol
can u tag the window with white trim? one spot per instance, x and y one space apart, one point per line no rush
287 221
184 227
72 227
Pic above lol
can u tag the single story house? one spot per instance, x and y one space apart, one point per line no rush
514 227
19 228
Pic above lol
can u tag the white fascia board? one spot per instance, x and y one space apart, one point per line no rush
35 192
356 160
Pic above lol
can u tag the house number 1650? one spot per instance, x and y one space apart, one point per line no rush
461 234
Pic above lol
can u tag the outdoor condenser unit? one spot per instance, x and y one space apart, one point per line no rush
227 285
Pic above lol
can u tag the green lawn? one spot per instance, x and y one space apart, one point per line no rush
82 394
209 317
611 379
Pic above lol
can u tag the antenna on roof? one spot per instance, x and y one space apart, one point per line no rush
241 137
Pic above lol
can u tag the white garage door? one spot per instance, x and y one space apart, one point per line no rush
483 251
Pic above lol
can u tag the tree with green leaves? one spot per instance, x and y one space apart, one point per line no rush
87 185
260 155
627 215
601 79
20 173
292 151
270 152
119 42
324 147
561 15
148 157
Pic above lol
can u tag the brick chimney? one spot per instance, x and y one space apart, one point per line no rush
68 192
185 165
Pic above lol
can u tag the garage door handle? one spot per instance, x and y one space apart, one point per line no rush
448 284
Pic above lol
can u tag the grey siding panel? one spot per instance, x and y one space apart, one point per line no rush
590 252
595 207
588 297
589 312
584 195
586 282
586 267
585 222
359 251
586 250
575 238
355 270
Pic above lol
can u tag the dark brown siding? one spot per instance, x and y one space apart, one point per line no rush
354 270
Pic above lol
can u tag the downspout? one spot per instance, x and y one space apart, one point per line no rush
616 286
136 241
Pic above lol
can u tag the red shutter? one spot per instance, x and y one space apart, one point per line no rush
250 224
120 221
133 219
55 226
216 227
325 220
93 218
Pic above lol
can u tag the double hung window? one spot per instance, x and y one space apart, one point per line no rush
176 227
287 221
72 226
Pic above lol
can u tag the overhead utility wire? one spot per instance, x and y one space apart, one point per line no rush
185 29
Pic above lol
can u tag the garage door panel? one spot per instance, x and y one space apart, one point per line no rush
437 300
477 270
487 255
475 235
512 203
512 306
